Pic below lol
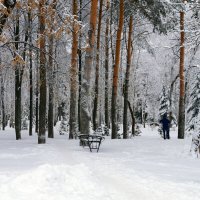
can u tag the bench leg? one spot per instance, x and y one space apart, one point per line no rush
98 146
89 144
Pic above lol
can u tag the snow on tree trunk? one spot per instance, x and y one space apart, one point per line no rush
85 102
126 85
96 98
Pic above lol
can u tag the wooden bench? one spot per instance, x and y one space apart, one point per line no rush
92 141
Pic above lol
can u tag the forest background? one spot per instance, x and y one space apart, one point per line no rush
99 63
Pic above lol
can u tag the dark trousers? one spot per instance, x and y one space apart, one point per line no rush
166 133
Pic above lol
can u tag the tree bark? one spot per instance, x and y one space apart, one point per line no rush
126 85
2 99
85 87
42 70
80 68
30 75
181 116
51 75
17 86
96 98
111 34
107 69
9 5
116 70
133 118
19 70
74 70
51 90
37 96
37 91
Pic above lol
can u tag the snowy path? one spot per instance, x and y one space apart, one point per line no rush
146 167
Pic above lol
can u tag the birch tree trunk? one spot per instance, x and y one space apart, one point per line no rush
42 70
126 85
116 70
96 98
85 87
73 73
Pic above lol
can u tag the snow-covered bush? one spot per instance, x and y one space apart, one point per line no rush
193 124
63 127
164 102
64 122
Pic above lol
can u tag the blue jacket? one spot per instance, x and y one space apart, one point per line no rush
165 123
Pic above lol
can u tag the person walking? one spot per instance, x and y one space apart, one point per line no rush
165 126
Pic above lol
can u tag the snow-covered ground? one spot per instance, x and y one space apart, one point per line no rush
143 168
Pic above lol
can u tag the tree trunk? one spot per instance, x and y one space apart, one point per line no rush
51 76
116 70
85 87
96 98
51 90
2 100
170 96
126 85
19 70
17 106
2 104
74 70
37 92
30 75
133 118
80 68
111 34
181 117
42 70
9 5
17 86
37 96
107 69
